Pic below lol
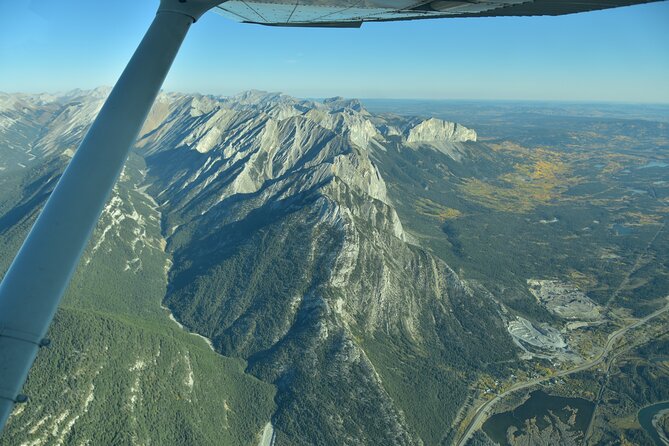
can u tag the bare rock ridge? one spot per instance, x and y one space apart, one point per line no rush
434 129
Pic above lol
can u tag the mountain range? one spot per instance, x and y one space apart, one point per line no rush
280 230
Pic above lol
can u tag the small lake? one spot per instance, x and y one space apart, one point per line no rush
646 420
621 229
538 406
650 164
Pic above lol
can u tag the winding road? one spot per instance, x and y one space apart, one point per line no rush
483 411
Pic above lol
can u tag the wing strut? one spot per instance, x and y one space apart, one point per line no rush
38 277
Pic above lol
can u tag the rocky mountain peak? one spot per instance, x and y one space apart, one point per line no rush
339 103
437 130
247 147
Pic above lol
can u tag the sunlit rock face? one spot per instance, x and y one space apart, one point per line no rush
436 130
446 137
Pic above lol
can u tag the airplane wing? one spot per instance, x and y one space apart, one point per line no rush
352 13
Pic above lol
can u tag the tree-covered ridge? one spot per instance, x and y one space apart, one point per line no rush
118 370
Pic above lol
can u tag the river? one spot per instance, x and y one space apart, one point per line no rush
646 416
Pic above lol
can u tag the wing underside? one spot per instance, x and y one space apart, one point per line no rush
352 13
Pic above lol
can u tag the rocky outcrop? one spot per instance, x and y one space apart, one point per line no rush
436 130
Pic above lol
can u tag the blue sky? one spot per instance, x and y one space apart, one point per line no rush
615 55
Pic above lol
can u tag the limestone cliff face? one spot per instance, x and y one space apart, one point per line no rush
436 130
446 137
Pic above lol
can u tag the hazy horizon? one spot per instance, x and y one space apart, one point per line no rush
537 101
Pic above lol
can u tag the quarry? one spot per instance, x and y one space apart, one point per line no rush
564 300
